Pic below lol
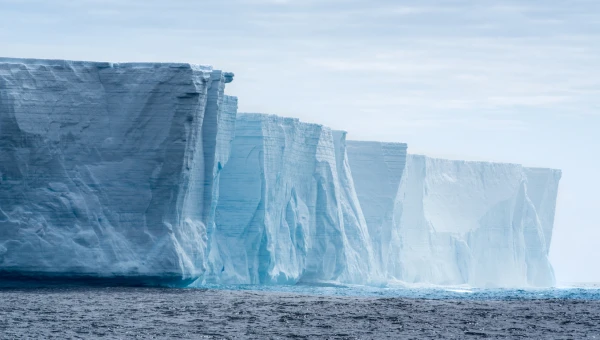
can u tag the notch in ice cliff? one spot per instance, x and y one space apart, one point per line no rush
143 173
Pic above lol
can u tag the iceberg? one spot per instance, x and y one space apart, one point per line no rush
476 223
106 169
285 212
144 174
447 222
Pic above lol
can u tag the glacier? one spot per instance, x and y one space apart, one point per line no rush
145 174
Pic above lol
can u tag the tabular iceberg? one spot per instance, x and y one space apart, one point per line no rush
106 169
454 222
144 173
473 223
284 213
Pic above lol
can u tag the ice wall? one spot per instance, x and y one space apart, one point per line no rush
542 192
106 169
143 173
445 222
473 223
377 169
287 211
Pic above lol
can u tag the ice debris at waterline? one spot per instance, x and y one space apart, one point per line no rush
144 174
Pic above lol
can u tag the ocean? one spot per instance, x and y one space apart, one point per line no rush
299 312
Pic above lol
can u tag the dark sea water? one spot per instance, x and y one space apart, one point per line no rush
298 312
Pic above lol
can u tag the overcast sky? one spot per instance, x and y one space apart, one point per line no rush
509 81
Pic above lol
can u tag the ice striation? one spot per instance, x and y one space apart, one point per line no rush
106 169
456 222
472 223
144 174
287 212
377 169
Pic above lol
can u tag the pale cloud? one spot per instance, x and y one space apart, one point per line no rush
374 66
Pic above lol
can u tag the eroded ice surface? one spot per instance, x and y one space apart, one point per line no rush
144 172
286 211
106 169
377 169
445 222
476 223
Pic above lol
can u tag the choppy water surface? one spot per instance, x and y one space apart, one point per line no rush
591 292
300 312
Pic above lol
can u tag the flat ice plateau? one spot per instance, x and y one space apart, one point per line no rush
144 174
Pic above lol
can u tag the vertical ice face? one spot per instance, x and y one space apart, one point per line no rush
450 222
360 255
377 170
102 165
284 213
143 172
473 223
542 191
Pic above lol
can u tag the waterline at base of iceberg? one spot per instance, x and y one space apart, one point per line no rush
419 291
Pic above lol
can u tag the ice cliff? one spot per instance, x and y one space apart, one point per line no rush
448 222
377 169
144 173
107 169
287 211
299 203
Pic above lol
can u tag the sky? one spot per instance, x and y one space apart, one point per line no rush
507 81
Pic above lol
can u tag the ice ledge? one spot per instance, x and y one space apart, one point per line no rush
103 64
273 118
469 162
375 143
